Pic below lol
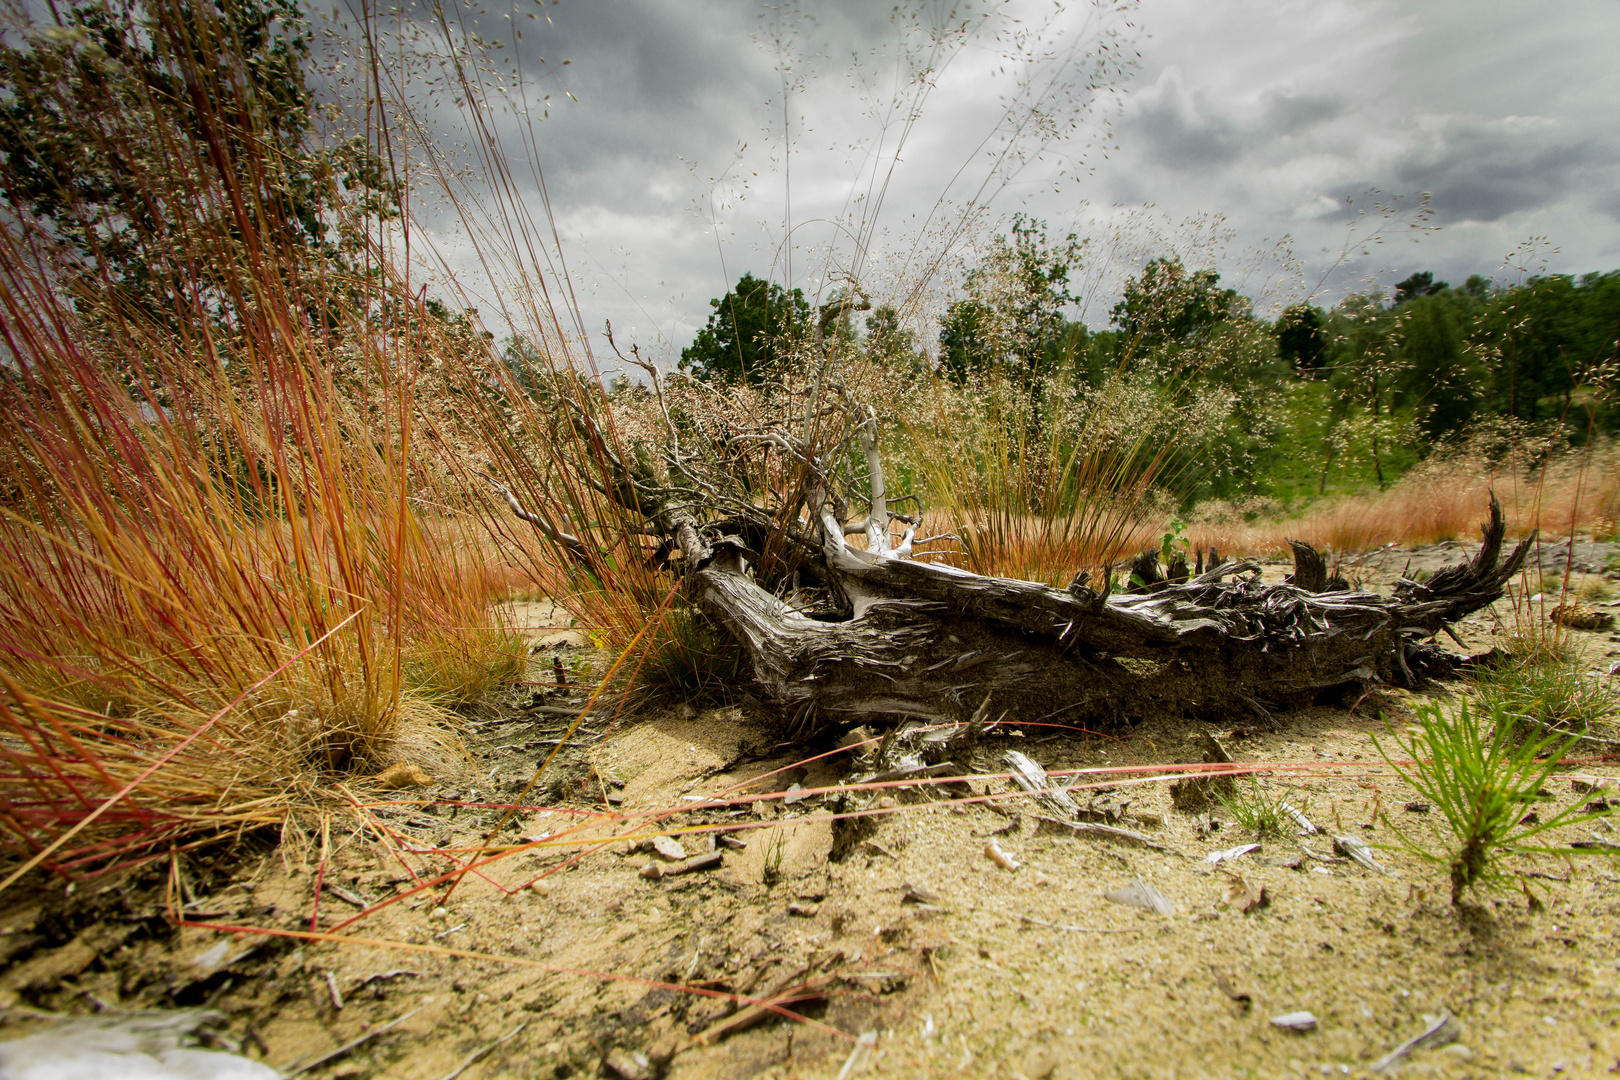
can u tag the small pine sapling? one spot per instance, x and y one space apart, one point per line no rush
1256 810
1475 769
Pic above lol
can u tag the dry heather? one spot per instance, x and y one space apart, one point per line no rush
1439 500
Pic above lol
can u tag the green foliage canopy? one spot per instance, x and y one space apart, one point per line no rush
891 343
1169 305
1014 306
162 142
753 326
1302 336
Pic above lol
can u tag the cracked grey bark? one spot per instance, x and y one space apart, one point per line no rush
929 642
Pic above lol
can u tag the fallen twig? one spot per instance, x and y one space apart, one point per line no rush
1104 832
332 988
1079 929
791 990
352 1043
707 861
477 1055
1441 1030
860 1058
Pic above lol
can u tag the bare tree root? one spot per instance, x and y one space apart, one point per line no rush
929 642
895 638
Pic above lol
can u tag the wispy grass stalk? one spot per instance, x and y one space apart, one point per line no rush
215 510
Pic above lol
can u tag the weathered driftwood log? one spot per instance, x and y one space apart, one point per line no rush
925 641
930 642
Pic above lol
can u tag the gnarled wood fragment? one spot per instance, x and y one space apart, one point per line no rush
923 641
929 641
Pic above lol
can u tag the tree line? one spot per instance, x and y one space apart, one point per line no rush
98 104
1321 398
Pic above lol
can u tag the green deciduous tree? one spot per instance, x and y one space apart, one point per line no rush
1168 305
1419 284
1014 306
163 145
1366 369
891 343
1545 340
1440 374
755 325
1302 336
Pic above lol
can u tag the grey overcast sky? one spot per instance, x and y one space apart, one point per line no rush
1244 134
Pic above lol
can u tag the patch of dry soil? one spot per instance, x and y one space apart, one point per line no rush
960 966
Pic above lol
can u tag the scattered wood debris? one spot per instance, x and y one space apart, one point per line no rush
993 852
1242 896
1357 849
669 848
1299 819
654 871
1140 894
1032 778
1196 792
1295 1021
347 896
1442 1029
794 991
332 989
1215 858
352 1044
1224 983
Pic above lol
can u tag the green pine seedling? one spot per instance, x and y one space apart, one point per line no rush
1472 766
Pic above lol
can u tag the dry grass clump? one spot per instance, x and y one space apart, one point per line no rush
236 560
1440 499
1038 479
205 593
1575 490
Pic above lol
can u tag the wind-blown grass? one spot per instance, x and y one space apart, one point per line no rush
227 575
1439 500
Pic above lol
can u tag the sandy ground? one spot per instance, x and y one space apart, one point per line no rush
587 964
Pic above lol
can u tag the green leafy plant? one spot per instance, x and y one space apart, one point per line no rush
1479 775
1255 809
1174 542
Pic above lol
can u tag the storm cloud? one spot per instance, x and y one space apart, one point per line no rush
684 139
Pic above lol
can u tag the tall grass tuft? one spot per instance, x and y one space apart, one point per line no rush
1539 682
228 571
1036 490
